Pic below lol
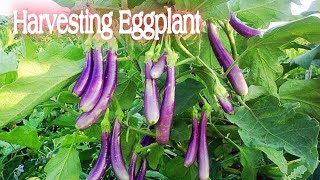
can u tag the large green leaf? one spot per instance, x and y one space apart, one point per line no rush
264 68
8 62
187 94
23 136
249 159
261 13
305 60
306 92
65 165
279 127
36 83
126 90
262 53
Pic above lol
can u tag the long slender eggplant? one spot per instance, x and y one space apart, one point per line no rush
241 28
132 166
85 120
203 157
158 68
225 104
143 169
192 150
167 107
83 80
117 162
103 161
93 92
151 104
235 76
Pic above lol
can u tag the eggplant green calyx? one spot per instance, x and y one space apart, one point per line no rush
194 112
149 54
105 123
113 44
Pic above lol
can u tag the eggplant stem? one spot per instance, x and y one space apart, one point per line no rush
225 137
62 106
141 131
147 147
215 75
229 32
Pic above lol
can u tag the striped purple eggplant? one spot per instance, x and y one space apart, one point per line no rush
241 28
103 161
84 78
85 120
167 107
143 170
225 104
203 157
117 162
192 150
158 68
235 76
93 92
151 104
132 166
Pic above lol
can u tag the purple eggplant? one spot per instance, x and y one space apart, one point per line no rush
151 104
103 161
83 80
143 169
167 107
132 166
226 105
241 28
158 68
235 76
85 120
192 150
117 162
203 157
93 92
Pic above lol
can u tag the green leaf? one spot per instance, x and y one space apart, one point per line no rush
216 9
64 120
65 165
55 51
174 169
255 92
126 90
262 53
22 135
36 83
67 97
264 68
8 62
306 92
305 60
271 125
277 157
261 13
249 159
29 48
187 95
154 156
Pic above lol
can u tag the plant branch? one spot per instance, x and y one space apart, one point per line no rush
225 137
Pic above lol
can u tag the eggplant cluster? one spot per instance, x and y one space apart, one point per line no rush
198 147
163 116
96 86
111 153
